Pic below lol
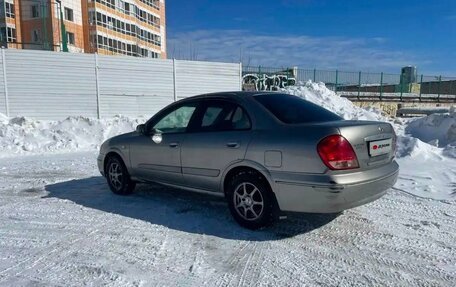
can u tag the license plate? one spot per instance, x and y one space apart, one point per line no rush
380 147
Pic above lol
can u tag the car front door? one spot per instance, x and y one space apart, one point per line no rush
155 156
219 136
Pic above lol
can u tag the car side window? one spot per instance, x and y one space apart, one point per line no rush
177 120
210 116
223 116
240 119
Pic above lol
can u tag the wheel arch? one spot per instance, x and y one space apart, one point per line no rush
115 153
245 166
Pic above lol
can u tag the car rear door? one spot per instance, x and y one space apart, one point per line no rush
219 137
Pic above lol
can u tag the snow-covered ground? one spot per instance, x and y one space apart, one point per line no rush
60 225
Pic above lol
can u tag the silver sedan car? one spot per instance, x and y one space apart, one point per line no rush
266 152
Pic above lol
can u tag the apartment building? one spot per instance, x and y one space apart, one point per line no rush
111 27
10 23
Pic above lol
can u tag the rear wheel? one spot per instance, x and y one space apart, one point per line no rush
251 201
119 180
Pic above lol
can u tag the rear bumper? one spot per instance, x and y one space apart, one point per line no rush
333 193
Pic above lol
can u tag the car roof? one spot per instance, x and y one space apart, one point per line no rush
228 95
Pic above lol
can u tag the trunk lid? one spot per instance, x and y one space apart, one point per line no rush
373 142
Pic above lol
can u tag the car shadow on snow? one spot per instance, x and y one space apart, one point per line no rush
180 210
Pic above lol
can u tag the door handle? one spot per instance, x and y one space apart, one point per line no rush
233 145
173 145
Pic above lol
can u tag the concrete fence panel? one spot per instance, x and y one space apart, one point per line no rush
46 85
50 85
132 86
205 77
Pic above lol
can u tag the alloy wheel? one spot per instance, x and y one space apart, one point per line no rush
115 175
248 201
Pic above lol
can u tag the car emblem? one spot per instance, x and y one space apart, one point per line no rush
380 129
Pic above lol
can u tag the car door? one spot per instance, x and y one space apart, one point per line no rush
155 156
219 137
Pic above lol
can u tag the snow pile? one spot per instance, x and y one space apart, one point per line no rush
3 118
436 129
318 93
24 135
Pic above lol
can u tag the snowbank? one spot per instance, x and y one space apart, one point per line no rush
318 93
23 135
436 129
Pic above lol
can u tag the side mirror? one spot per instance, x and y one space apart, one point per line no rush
141 129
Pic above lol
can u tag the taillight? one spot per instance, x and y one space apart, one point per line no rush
337 153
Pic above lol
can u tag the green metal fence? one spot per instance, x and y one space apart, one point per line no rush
359 84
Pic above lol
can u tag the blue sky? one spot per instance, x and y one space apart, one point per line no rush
366 35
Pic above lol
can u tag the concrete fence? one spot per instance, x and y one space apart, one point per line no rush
49 85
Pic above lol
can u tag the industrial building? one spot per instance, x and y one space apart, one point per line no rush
111 27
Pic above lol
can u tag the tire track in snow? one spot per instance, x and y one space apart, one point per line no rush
324 249
247 266
60 247
234 262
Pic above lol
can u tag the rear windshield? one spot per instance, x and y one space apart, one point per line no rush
294 110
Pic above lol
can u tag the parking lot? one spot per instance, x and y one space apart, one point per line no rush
61 226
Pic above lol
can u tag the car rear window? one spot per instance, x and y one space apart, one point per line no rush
294 110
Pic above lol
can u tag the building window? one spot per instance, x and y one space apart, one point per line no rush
131 9
69 14
8 34
127 29
152 3
35 11
9 10
111 3
92 19
3 35
119 47
70 37
35 36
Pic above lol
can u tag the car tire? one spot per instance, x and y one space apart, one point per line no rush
119 180
251 201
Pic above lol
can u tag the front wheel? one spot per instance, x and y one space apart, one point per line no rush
117 176
251 202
